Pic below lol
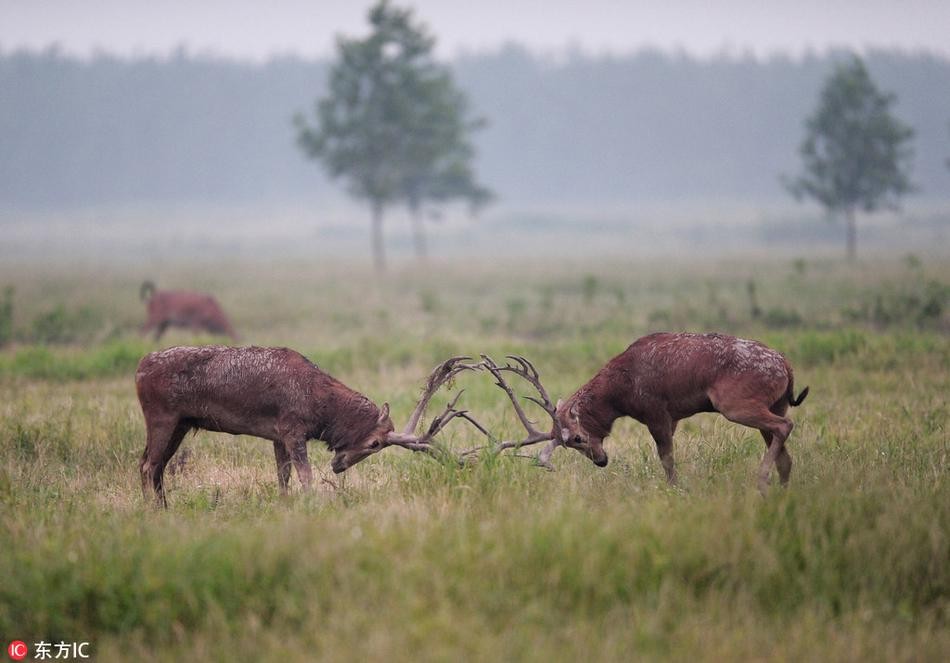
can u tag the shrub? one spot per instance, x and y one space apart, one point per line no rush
779 318
822 347
922 306
40 362
63 326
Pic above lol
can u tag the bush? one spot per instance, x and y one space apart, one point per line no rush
823 347
63 326
922 306
779 318
40 362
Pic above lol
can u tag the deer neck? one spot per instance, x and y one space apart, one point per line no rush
343 416
595 408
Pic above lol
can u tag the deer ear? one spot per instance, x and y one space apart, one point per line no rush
384 413
565 434
573 412
558 406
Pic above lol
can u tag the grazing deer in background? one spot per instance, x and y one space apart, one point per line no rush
660 379
272 393
182 308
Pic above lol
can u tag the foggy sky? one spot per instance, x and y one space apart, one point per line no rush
256 30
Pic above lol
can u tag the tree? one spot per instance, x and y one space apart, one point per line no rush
438 167
392 124
855 153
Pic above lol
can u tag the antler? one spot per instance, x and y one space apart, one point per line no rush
525 370
442 373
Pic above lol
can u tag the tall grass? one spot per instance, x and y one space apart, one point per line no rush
404 557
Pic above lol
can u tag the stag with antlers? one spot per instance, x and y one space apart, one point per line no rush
661 379
276 394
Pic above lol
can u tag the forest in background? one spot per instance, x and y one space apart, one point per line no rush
576 130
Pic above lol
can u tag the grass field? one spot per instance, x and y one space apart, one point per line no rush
406 558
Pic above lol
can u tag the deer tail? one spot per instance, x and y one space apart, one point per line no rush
795 402
146 290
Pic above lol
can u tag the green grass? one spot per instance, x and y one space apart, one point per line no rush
406 558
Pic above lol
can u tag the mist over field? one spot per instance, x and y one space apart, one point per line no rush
645 153
586 130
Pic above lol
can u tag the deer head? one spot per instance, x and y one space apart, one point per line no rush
569 431
376 440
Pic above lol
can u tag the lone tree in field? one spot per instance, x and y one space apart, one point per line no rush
438 164
855 154
393 124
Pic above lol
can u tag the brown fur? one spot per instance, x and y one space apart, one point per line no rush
273 393
664 377
183 308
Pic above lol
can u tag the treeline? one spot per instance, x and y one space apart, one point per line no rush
581 129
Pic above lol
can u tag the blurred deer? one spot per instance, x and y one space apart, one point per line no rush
183 308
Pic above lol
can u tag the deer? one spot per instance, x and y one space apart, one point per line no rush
183 308
276 394
659 380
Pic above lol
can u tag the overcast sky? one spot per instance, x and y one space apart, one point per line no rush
258 29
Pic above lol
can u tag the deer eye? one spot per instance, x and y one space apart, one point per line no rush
375 444
578 440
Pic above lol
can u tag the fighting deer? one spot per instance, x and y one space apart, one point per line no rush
183 308
661 379
276 394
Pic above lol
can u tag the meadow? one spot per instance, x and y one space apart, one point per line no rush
405 557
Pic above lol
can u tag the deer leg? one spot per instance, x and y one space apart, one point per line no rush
298 453
162 441
157 435
160 329
756 415
783 462
662 432
770 458
283 466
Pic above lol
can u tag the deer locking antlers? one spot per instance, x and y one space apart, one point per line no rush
661 379
445 373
